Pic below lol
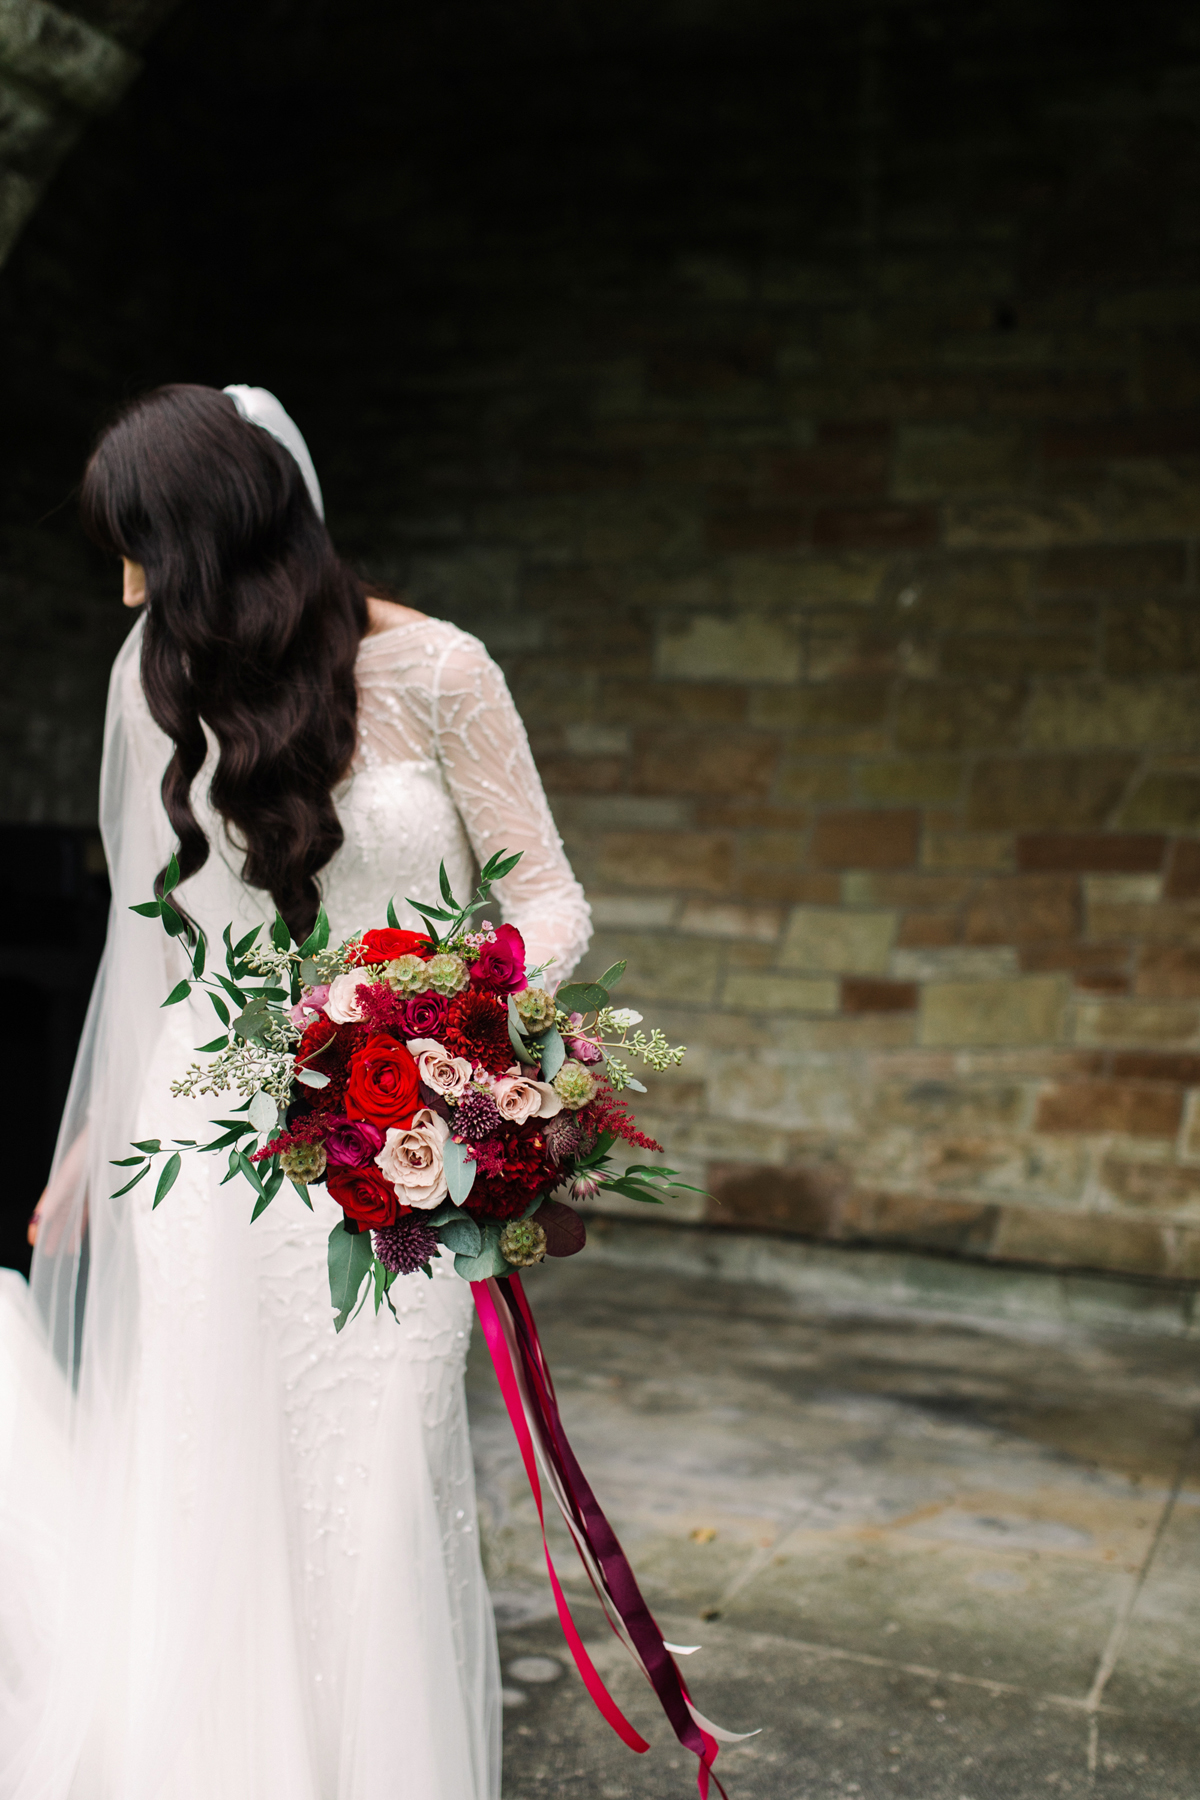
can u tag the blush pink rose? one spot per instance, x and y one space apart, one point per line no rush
518 1098
411 1159
445 1074
341 1005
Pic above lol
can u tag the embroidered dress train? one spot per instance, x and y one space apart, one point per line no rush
238 1553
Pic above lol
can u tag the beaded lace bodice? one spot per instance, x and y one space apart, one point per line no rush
444 769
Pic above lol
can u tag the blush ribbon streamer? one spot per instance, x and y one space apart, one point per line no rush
529 1396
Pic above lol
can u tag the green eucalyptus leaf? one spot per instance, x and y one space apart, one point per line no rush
263 1114
488 1261
243 944
179 992
610 977
631 1081
252 1022
581 997
167 1179
151 1146
462 1235
125 1162
309 973
447 1210
149 909
520 1046
459 1169
198 958
350 1259
281 935
172 921
554 1053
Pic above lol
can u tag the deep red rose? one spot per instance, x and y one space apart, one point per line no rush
501 966
386 946
384 1084
365 1195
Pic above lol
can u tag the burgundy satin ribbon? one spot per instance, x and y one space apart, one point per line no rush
621 1591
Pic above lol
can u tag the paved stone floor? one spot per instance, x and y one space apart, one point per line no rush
932 1559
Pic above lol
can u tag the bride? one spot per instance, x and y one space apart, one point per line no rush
238 1553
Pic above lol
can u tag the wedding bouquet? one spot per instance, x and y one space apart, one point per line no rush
427 1079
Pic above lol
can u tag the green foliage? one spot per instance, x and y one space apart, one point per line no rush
520 1047
460 1170
317 938
168 1178
350 1260
554 1053
462 1235
581 997
487 1261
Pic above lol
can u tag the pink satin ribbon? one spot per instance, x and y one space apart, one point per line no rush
485 1306
528 1384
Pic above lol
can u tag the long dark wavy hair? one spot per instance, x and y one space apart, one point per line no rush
253 624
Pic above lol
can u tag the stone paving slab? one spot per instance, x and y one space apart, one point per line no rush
938 1558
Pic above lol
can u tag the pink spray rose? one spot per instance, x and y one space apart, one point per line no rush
311 1002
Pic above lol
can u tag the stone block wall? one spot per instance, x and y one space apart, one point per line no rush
891 802
803 403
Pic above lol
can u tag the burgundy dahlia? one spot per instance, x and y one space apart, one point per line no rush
476 1116
406 1246
477 1028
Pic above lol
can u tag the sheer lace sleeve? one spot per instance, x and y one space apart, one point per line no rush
481 744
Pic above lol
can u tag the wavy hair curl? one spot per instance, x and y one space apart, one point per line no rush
253 624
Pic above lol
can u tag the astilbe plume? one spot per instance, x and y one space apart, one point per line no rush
405 1247
609 1114
478 1029
476 1116
379 1006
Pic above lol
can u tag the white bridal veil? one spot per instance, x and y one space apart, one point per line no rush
115 1593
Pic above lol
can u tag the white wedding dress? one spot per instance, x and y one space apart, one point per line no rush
238 1552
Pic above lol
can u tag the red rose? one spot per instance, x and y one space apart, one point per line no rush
501 965
365 1195
384 1084
386 946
